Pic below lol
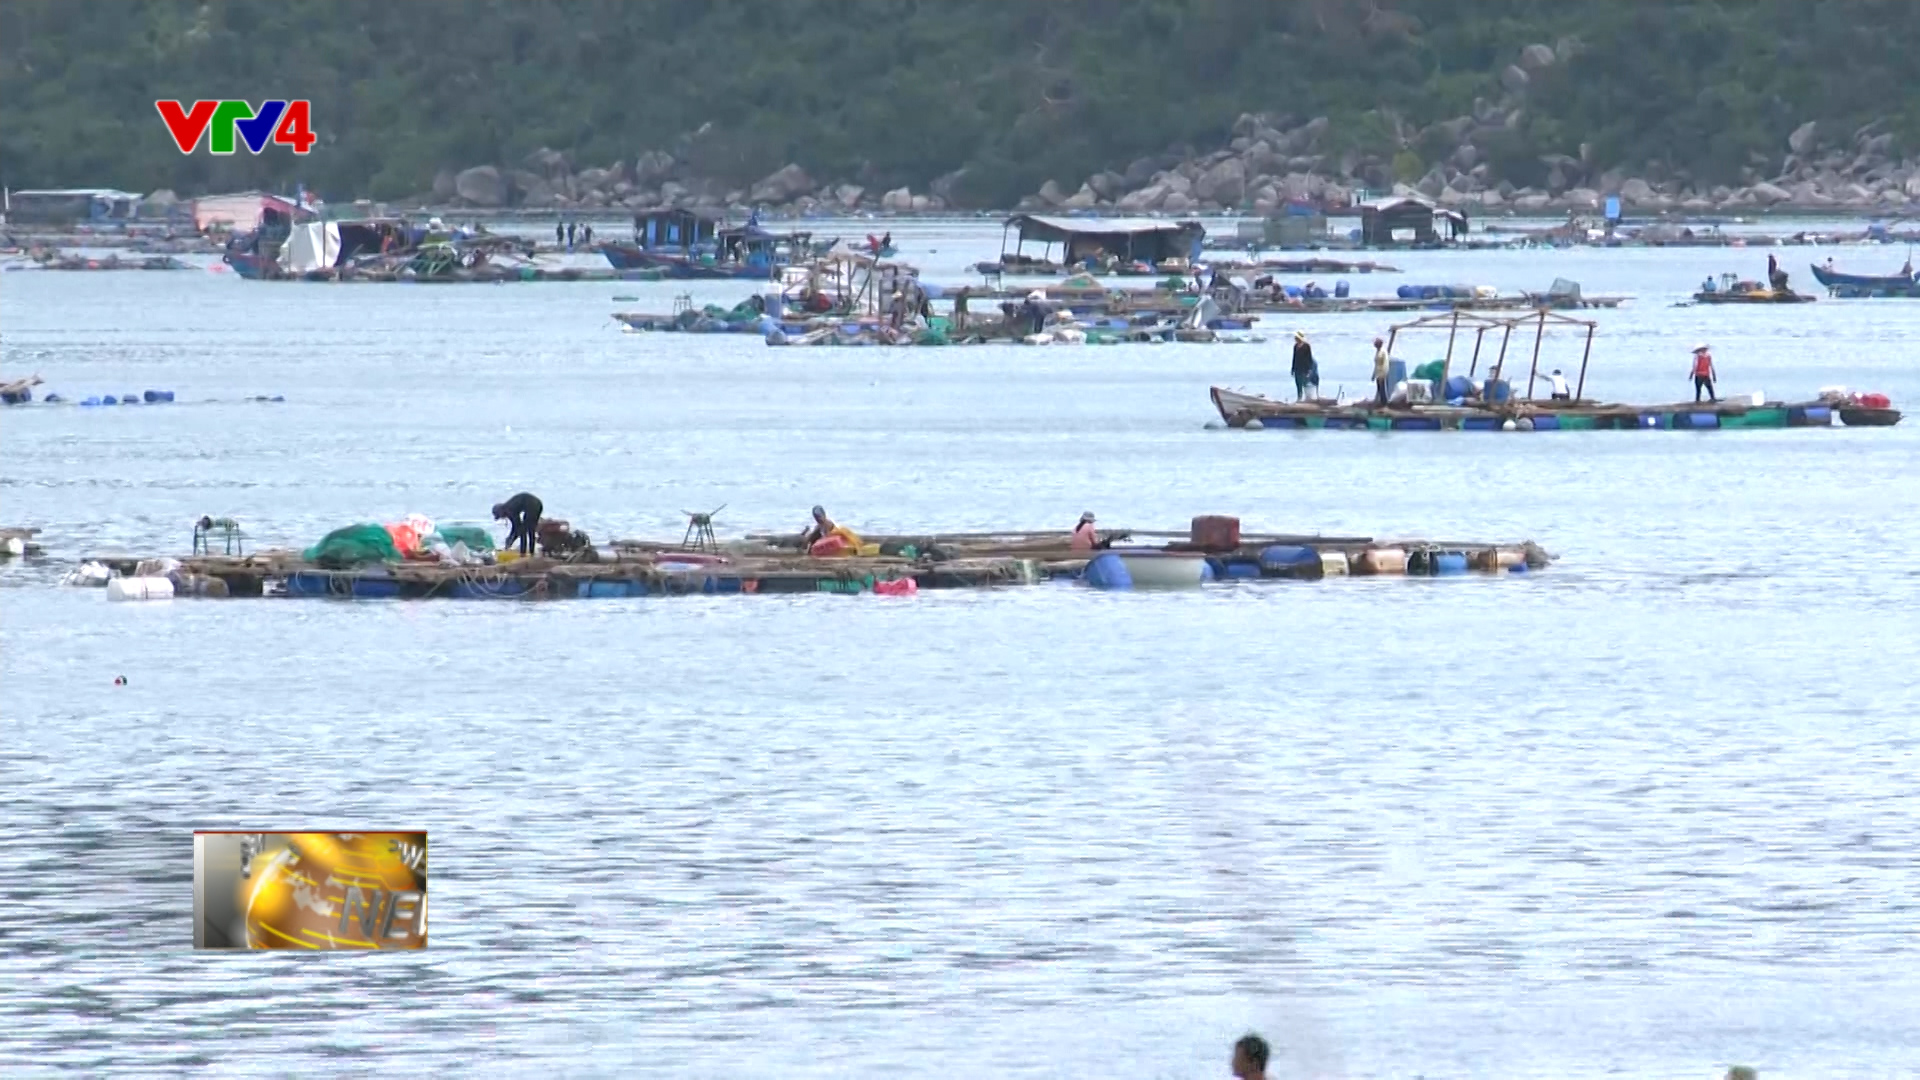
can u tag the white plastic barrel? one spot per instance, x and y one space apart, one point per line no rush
13 545
140 588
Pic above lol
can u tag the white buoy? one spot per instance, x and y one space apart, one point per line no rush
1509 425
1255 425
140 588
13 545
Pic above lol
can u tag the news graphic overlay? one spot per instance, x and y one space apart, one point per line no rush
352 891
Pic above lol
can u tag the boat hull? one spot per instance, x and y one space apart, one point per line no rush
1764 297
1240 410
1863 285
1146 569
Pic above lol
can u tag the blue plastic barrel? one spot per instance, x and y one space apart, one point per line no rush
1408 292
1289 560
107 400
1396 373
1546 423
95 400
1480 423
1458 386
1499 390
1702 420
1449 562
1108 571
129 399
1341 290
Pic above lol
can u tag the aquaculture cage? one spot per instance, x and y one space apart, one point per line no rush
1480 326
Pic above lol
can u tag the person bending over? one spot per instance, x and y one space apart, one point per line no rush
522 514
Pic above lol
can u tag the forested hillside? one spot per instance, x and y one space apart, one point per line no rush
886 92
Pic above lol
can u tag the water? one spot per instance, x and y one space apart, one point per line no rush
1648 813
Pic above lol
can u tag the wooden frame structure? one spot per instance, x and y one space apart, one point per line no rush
1480 325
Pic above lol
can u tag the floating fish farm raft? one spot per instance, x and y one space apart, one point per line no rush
1433 398
1214 551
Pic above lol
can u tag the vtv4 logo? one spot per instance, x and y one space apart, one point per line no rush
287 122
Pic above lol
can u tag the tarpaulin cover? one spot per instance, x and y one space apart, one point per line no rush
355 545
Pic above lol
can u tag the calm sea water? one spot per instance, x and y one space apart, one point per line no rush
1650 813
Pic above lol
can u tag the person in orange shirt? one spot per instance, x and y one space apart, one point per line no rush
1703 374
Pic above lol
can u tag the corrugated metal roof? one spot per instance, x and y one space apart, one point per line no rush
74 193
1092 226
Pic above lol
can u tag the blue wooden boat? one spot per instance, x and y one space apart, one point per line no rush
1858 286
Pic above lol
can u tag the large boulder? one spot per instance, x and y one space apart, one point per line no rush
1225 183
848 195
594 179
1514 78
782 186
920 204
481 185
1802 138
1636 192
652 167
1140 173
538 193
1582 198
1536 56
1084 199
548 162
1052 194
1108 186
444 187
1177 203
946 186
1145 200
1768 194
1532 202
899 200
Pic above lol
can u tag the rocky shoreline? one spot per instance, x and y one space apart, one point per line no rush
1267 161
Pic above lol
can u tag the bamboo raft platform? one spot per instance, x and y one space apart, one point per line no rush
773 565
1249 411
1496 403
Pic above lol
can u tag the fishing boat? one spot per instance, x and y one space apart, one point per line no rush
1440 396
1731 290
689 245
1861 286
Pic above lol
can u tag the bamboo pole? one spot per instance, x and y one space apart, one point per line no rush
1538 335
1446 365
1580 393
1479 336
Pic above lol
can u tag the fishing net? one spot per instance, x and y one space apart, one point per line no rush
355 545
475 537
1430 370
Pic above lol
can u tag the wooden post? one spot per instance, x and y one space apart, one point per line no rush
1538 334
1446 365
1479 336
1500 364
1581 391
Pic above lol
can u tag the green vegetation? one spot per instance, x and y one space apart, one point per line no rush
888 92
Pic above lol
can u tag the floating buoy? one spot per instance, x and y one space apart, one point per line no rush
119 680
1255 425
1212 425
1509 425
1526 423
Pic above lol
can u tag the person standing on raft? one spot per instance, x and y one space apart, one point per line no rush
1302 366
522 513
1704 375
1380 363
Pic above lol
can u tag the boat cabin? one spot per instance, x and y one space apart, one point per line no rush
682 231
752 245
1409 221
1091 240
71 206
